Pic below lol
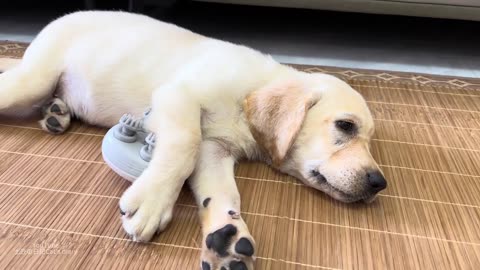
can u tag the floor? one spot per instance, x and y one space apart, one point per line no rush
59 200
443 47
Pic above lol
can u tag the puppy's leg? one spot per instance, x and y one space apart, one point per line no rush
147 205
24 86
227 243
33 80
8 63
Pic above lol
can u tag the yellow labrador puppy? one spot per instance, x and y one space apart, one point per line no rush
213 103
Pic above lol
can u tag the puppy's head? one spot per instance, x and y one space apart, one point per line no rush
317 128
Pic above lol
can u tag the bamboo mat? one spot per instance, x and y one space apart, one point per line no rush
58 199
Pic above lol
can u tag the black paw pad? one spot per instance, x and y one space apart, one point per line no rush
53 122
234 214
220 240
244 247
205 266
206 202
55 109
238 265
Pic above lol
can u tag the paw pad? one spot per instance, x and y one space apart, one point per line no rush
55 109
206 202
233 214
205 266
244 247
238 265
56 117
229 248
219 241
53 122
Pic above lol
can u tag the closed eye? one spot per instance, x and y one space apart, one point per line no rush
346 127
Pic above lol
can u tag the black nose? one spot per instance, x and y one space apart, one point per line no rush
376 181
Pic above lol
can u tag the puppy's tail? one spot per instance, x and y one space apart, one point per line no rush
8 63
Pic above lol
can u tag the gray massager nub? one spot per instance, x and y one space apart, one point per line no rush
127 147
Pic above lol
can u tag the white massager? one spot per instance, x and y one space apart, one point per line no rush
127 147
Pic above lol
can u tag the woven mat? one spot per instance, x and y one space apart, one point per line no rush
58 199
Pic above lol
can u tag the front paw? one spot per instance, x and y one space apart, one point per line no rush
145 210
229 247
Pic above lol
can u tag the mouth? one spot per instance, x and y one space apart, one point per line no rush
320 179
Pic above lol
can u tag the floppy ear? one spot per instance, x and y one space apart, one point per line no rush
275 114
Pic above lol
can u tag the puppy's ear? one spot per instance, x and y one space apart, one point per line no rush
275 114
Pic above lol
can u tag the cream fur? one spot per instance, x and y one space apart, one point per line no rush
105 64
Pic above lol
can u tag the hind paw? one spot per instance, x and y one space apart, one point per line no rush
56 117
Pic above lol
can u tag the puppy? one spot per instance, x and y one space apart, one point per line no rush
213 103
